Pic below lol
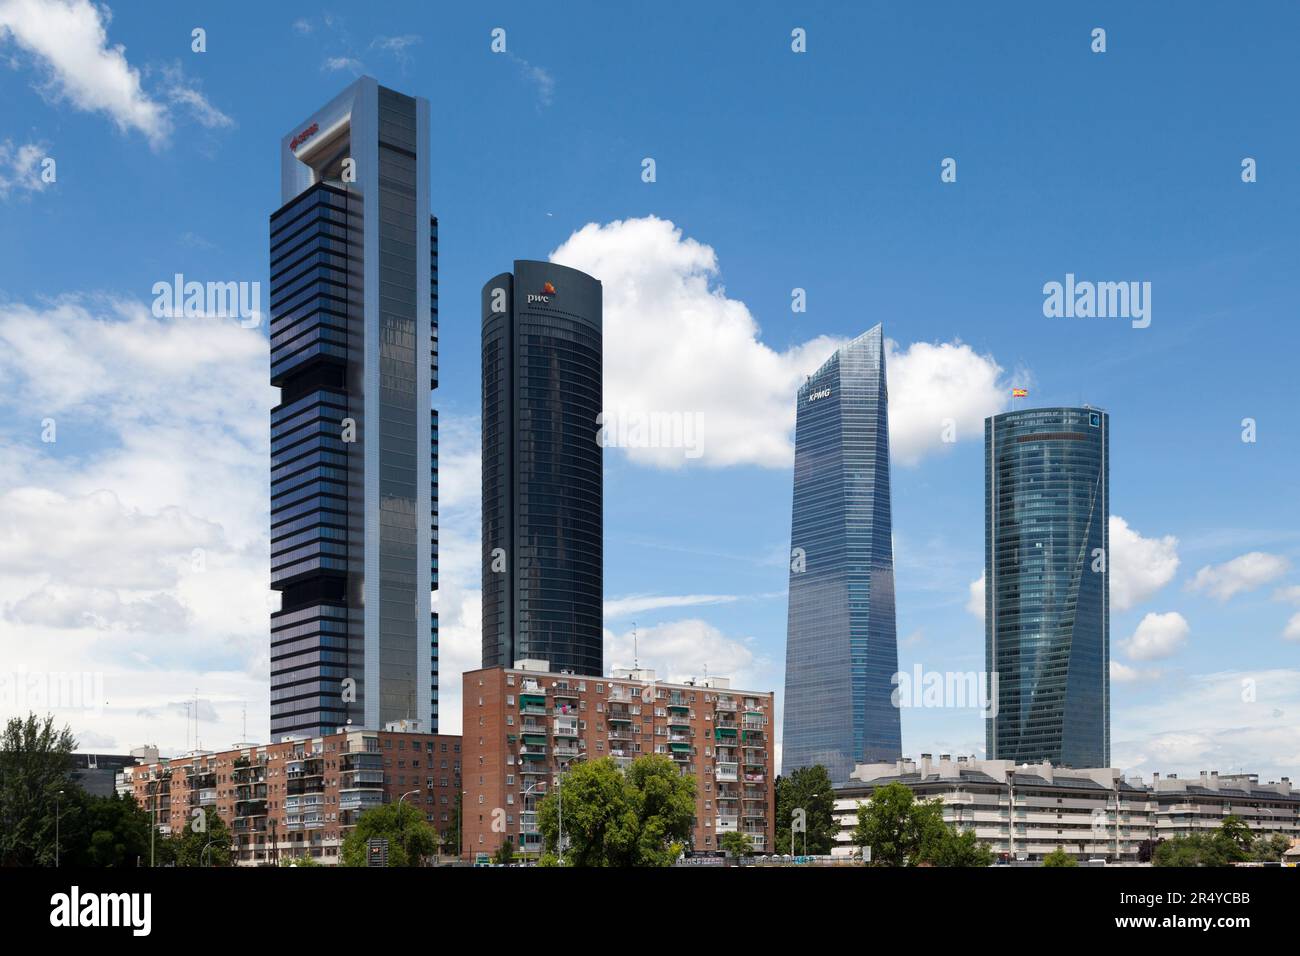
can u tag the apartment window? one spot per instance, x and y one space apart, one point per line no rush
510 700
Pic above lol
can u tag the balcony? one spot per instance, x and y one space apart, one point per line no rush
726 824
725 772
724 705
566 728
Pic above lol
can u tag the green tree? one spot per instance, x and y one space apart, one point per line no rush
410 838
1231 843
737 844
904 831
206 846
505 854
1059 857
899 830
611 818
35 764
303 860
808 789
102 831
1269 849
962 849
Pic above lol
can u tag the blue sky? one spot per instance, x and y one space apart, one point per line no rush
774 171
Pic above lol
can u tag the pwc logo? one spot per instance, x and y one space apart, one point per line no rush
544 296
305 135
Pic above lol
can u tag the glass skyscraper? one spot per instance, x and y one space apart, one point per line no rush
1047 585
354 348
543 483
841 645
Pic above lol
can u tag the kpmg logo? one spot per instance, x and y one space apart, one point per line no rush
544 296
305 135
821 393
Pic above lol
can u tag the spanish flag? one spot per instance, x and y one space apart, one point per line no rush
1020 393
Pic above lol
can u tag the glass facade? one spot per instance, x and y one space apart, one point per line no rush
543 563
1047 585
841 644
352 552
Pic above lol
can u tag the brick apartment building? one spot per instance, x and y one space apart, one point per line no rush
300 797
524 725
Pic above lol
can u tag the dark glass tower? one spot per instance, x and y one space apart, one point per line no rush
543 560
353 438
841 646
1047 585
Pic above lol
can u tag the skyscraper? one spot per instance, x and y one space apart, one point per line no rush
1047 585
841 646
353 438
543 558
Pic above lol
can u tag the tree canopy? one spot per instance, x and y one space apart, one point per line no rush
641 817
410 837
902 831
808 789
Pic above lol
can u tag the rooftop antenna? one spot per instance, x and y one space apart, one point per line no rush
636 661
245 720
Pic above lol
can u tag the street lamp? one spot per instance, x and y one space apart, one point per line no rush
399 810
559 789
56 828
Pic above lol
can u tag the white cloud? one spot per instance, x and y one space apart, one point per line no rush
19 168
975 601
1292 632
1123 674
1241 574
1290 593
933 386
1223 721
185 92
682 650
336 63
70 39
135 544
675 342
1157 636
1139 567
539 77
639 603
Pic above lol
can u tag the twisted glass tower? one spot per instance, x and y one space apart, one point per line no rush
1047 585
354 347
543 480
841 646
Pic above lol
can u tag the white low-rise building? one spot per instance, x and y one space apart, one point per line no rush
1023 812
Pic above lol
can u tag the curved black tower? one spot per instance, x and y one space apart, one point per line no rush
543 559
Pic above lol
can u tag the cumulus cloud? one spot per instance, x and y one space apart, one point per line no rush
133 541
975 600
682 650
1224 721
1123 674
936 386
675 342
20 168
70 40
1241 574
1292 632
1139 567
1157 636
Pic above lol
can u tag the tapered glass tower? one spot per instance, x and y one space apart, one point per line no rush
841 645
1047 585
353 439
